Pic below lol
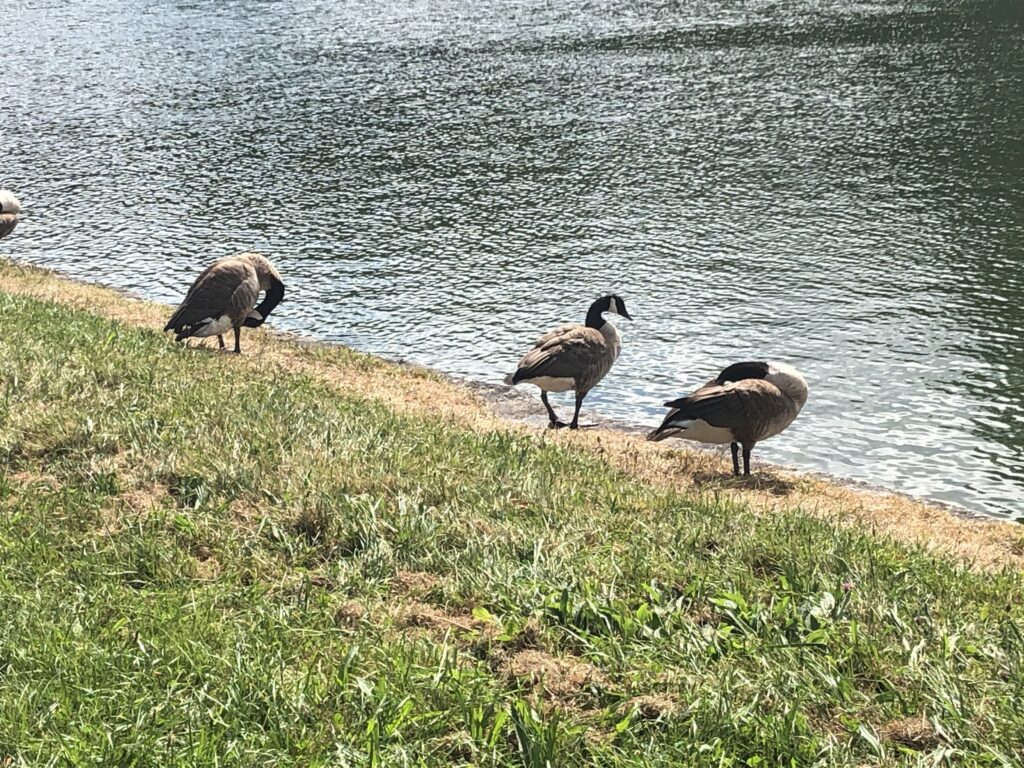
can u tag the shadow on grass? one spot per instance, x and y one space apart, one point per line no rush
761 481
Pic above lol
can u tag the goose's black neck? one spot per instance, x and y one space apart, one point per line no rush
272 298
741 371
595 319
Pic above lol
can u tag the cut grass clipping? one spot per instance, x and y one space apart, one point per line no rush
205 561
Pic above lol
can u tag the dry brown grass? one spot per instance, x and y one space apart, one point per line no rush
349 613
980 543
914 732
207 569
416 615
414 582
561 677
143 500
652 707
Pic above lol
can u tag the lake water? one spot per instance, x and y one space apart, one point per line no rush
835 184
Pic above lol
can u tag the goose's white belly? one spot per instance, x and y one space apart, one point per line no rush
215 327
552 384
702 432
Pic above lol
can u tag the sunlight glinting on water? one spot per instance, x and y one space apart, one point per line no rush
839 185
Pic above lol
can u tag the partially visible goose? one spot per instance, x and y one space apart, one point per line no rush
224 297
10 207
573 357
747 403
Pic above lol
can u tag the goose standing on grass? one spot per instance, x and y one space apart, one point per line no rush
747 403
224 297
10 207
573 357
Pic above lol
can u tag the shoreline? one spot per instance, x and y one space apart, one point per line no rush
978 540
506 402
517 406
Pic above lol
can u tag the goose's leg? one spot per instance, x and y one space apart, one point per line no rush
576 415
735 447
554 422
746 458
220 339
238 340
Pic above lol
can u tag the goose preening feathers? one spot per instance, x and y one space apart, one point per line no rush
10 207
745 404
573 357
224 297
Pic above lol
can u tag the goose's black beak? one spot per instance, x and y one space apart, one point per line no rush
625 314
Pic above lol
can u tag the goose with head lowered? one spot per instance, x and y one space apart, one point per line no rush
10 207
745 404
224 298
573 357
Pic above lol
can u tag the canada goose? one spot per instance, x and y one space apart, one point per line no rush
747 403
9 210
224 296
573 357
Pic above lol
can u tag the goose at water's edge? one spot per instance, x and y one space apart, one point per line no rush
745 404
224 297
573 357
10 207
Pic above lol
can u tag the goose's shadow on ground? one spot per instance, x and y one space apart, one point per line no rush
767 483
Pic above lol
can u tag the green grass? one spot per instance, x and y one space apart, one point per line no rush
198 560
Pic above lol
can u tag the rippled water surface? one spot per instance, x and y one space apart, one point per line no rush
836 184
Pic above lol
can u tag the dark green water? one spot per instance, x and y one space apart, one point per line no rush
839 185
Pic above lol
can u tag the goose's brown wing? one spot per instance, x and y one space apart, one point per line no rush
570 351
202 278
226 287
745 407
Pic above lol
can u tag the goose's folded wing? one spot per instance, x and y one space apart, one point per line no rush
229 286
561 353
203 275
732 406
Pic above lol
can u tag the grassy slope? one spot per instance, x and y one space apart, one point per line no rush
200 560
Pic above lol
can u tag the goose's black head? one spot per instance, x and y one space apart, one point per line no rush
740 371
610 303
